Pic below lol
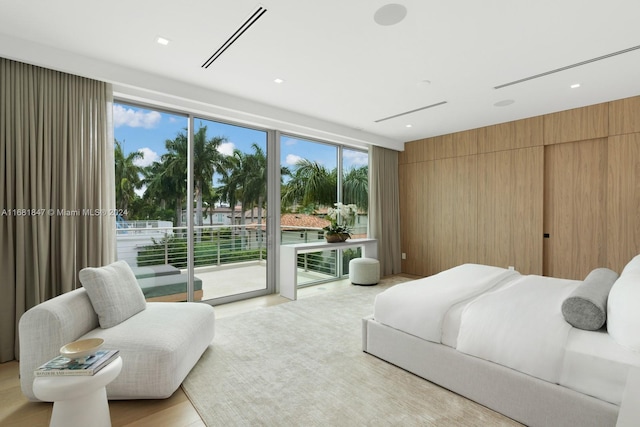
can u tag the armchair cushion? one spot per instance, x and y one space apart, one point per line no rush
114 292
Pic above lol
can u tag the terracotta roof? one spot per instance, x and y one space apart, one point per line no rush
302 220
294 221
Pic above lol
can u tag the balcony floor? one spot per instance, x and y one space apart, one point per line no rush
240 278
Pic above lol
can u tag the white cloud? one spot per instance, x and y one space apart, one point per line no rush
292 159
226 148
135 118
149 156
290 141
356 157
140 191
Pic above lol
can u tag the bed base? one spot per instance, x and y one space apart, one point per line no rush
524 398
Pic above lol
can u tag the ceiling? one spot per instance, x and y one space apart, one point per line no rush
342 71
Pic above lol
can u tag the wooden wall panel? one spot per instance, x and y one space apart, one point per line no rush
587 178
455 221
402 156
414 151
510 209
624 116
430 210
494 209
528 218
575 208
409 215
513 135
421 231
578 124
456 144
623 202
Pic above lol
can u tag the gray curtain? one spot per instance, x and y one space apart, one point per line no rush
384 209
56 187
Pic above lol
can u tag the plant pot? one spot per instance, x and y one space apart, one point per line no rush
336 237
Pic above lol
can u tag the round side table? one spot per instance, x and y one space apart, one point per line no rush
78 400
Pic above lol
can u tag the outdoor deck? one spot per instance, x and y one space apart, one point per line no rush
239 278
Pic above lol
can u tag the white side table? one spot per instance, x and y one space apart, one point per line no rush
78 400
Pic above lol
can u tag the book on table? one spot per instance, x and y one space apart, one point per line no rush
62 365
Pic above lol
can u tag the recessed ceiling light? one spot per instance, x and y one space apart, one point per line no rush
408 126
390 14
504 103
575 85
279 81
162 41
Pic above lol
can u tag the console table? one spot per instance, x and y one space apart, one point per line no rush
289 257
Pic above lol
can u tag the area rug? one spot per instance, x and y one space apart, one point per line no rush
301 363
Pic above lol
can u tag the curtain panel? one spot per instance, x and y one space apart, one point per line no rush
384 208
57 195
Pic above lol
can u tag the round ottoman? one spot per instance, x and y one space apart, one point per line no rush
78 401
364 271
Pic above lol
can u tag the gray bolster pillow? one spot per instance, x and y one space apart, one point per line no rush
586 307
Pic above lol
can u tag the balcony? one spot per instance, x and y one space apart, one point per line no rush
229 260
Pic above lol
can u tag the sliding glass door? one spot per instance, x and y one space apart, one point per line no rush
230 214
215 232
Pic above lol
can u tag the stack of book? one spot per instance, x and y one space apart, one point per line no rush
61 365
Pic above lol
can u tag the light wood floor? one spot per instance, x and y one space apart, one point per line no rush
176 411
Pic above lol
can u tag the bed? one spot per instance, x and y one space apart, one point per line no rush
534 348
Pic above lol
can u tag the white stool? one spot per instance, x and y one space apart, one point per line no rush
78 400
364 271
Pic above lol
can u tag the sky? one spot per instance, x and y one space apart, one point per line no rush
144 130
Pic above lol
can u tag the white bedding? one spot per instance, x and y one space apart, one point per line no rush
596 365
419 307
520 326
513 320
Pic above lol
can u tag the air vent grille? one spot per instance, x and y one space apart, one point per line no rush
411 111
568 67
257 14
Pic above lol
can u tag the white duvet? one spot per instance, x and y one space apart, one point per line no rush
520 326
419 307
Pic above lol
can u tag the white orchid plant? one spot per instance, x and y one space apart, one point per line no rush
341 217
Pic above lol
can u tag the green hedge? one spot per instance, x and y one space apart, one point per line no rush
206 252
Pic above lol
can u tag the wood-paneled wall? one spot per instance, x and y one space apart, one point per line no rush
489 195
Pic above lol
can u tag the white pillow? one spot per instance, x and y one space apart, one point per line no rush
623 315
114 292
633 265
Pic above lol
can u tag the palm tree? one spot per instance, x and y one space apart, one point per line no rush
172 174
127 175
310 184
231 179
206 161
255 184
164 191
356 187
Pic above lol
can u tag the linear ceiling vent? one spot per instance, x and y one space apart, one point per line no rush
240 31
409 112
577 64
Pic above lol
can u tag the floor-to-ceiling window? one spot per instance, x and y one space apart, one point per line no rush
151 187
355 191
316 177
